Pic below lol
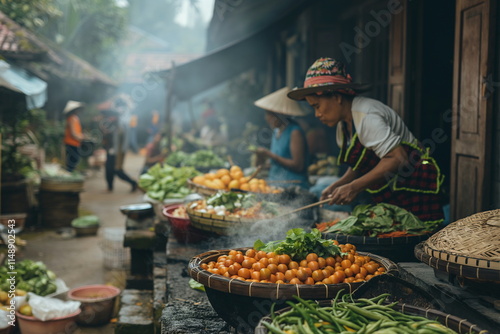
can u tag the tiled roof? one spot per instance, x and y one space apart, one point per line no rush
43 57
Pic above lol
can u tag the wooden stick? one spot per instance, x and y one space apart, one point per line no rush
254 174
305 207
230 159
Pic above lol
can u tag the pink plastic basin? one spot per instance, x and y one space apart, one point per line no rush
98 302
32 325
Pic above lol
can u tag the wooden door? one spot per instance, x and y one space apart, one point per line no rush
472 107
397 62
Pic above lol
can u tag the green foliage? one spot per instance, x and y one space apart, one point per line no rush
33 14
200 158
299 243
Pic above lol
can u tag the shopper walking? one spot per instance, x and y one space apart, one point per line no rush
73 134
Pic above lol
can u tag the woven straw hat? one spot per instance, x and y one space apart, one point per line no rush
72 105
327 74
279 103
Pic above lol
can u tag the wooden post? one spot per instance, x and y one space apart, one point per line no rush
191 114
168 118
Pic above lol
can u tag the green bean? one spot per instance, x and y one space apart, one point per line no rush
272 328
367 314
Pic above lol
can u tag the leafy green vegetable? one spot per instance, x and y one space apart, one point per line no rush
234 200
31 276
201 158
299 243
371 220
164 181
85 221
195 285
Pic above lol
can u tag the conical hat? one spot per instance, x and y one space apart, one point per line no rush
280 103
72 105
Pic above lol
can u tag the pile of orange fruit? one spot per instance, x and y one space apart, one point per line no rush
262 267
233 178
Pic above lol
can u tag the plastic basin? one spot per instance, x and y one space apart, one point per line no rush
182 229
97 306
32 325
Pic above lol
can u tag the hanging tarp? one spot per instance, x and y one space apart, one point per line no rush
19 80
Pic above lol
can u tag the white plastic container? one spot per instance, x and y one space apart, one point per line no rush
115 256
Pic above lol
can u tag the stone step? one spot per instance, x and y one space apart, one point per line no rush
136 312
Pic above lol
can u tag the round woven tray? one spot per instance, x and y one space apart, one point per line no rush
242 304
397 249
455 323
270 290
220 225
202 190
469 247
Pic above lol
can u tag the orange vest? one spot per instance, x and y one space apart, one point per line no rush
72 122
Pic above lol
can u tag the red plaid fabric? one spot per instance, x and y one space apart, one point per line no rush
415 187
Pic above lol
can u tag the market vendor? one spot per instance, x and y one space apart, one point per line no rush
288 153
384 157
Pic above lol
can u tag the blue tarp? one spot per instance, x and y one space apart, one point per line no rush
18 80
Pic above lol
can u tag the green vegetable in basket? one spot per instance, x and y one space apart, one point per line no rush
85 221
31 276
195 285
299 243
164 181
372 220
346 315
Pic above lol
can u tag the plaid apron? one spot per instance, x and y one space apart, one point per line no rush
415 188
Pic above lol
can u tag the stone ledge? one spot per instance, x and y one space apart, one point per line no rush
136 312
138 239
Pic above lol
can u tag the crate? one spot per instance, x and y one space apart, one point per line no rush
115 256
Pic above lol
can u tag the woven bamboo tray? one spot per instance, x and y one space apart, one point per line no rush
58 185
455 323
469 247
220 225
202 190
242 303
397 249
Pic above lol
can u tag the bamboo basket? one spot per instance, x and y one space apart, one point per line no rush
455 323
220 225
399 249
469 247
59 185
206 191
242 303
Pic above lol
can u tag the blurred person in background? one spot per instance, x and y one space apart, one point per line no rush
289 152
132 133
154 127
155 153
73 134
115 144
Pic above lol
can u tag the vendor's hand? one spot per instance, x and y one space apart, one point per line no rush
262 151
342 195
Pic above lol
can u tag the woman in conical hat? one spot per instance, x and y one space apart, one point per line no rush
288 152
385 158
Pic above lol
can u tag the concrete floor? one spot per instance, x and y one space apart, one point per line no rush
78 261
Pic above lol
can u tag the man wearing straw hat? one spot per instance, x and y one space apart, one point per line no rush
384 157
73 134
289 152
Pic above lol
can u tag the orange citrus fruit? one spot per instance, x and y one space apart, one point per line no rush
245 186
235 169
226 179
234 184
199 179
221 172
209 176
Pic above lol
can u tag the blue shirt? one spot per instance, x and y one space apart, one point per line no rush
281 146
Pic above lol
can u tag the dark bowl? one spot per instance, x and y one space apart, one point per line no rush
242 304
